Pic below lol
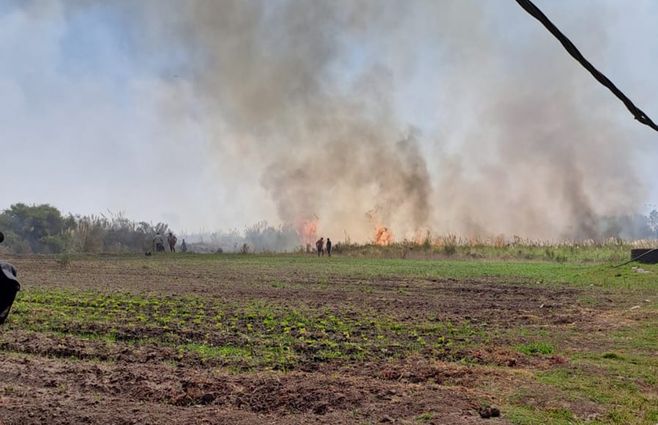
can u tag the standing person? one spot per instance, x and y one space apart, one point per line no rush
172 242
329 247
183 246
320 246
158 242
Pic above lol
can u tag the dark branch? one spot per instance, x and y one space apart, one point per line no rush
575 53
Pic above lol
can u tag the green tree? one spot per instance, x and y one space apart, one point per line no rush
36 228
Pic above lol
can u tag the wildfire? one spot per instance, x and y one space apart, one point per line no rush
422 236
383 236
307 230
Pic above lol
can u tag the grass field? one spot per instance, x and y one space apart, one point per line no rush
297 339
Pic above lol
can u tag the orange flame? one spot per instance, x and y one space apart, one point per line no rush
307 230
383 236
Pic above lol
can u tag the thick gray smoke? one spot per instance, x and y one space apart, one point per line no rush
304 96
324 144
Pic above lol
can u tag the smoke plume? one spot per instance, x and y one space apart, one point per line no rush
311 100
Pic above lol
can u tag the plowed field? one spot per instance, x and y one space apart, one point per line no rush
290 339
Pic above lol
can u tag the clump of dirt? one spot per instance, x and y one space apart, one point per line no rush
424 371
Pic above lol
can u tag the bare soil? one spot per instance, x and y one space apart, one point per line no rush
50 378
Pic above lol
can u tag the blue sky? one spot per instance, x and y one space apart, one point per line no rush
83 126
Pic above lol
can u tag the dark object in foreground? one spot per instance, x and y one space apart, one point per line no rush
489 412
647 256
8 286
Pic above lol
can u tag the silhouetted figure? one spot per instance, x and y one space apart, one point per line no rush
183 246
171 239
319 245
158 242
8 287
329 247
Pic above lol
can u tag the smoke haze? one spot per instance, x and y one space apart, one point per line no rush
455 116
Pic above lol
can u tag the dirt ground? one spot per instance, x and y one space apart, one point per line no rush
63 378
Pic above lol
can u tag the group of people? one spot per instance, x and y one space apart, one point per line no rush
320 246
172 240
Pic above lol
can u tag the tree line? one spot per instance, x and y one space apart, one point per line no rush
43 229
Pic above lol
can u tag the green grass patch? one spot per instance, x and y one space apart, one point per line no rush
225 352
535 348
526 415
425 417
622 384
